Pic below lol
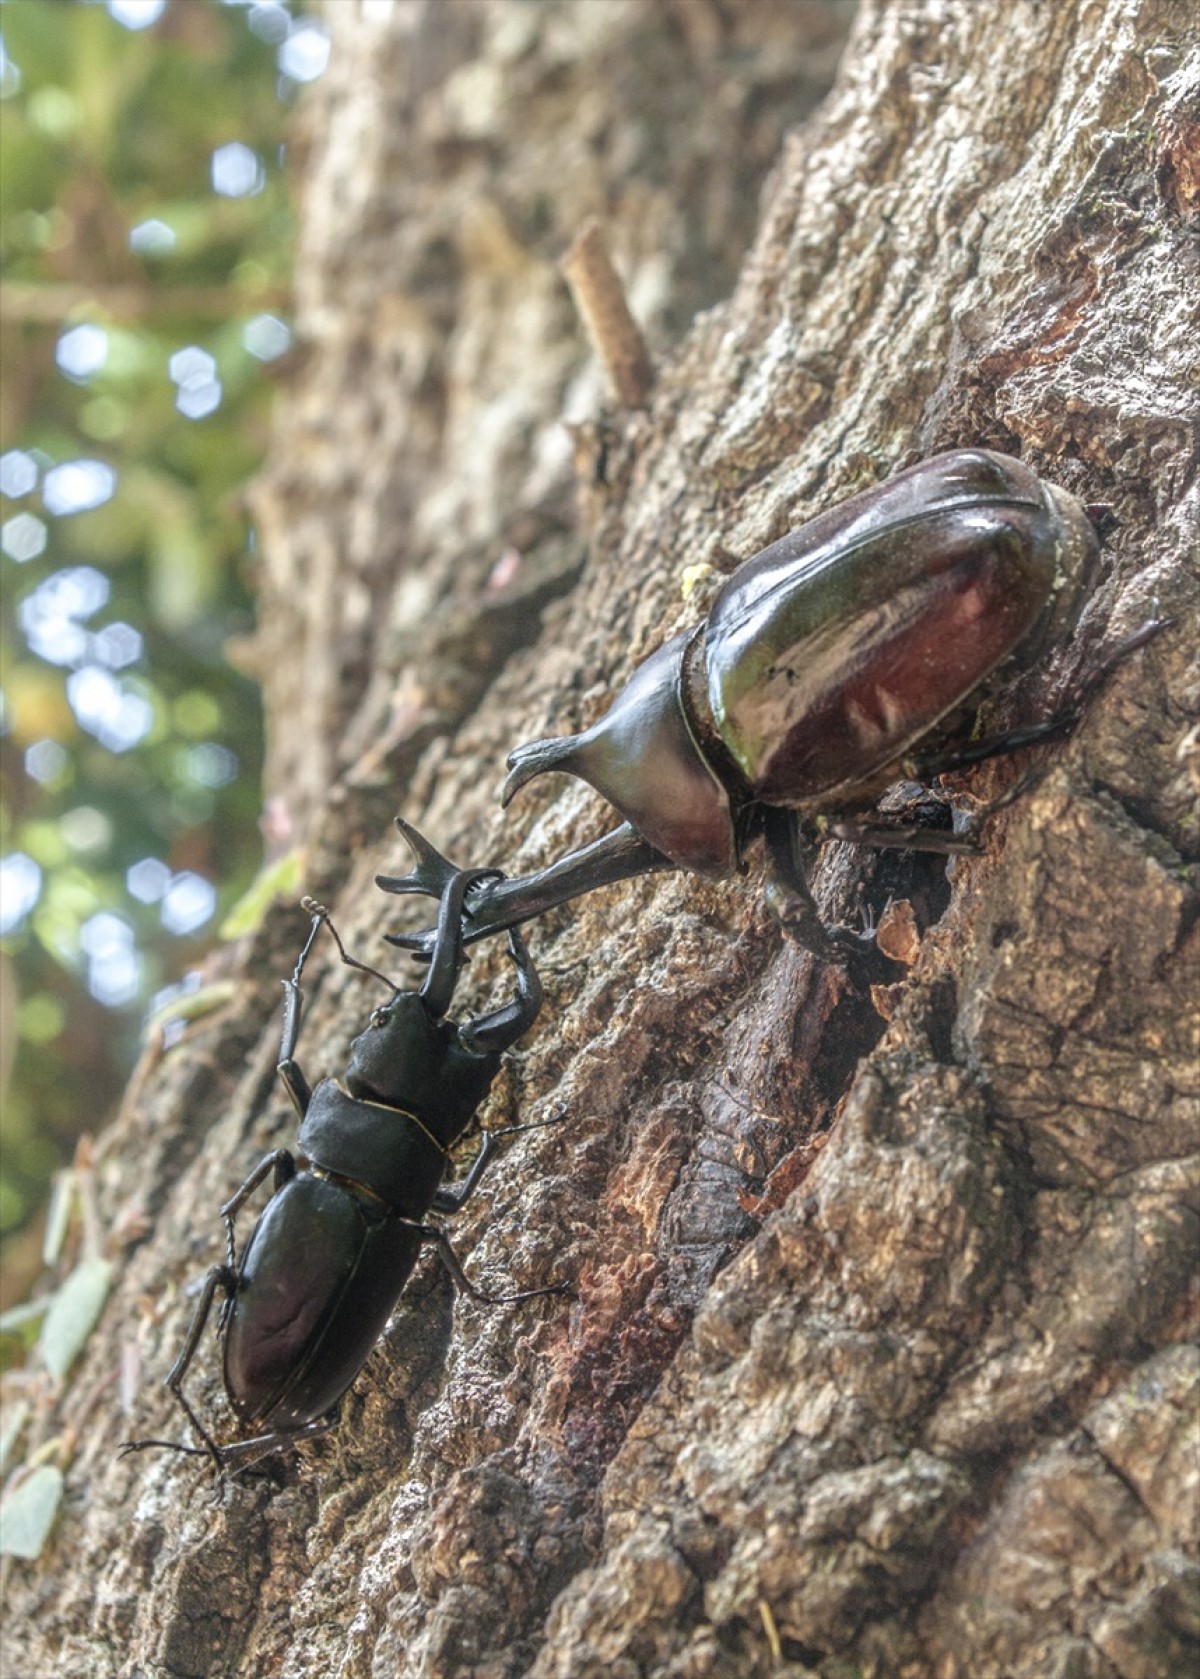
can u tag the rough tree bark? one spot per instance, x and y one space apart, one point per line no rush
882 1354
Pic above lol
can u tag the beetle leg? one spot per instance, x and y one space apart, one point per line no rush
127 1447
1061 723
288 1067
790 899
905 837
433 1233
294 1080
279 1162
321 914
241 1455
292 1075
494 1032
221 1276
450 1198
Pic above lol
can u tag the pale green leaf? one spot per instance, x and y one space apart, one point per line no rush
73 1313
279 880
27 1512
15 1418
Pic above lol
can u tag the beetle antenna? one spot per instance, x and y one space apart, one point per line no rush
321 913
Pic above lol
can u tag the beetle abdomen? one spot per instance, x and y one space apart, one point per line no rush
832 652
320 1276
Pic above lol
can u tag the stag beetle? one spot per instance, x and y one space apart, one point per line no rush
327 1260
853 652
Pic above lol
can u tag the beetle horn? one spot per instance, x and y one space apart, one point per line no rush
644 759
537 756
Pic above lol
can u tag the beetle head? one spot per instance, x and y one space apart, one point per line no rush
642 756
382 1057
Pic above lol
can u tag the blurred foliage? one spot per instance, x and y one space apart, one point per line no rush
145 247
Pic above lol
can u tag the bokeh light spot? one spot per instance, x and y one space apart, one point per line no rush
136 14
148 879
77 486
50 615
20 884
82 351
269 21
10 75
192 366
23 537
18 473
114 966
197 401
45 761
210 765
305 53
116 645
86 829
188 902
152 238
117 716
236 171
266 337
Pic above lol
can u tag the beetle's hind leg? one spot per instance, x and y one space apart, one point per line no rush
435 1234
240 1456
220 1277
1062 722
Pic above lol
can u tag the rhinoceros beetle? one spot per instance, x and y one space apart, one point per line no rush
326 1262
854 652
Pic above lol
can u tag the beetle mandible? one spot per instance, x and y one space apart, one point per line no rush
326 1262
855 651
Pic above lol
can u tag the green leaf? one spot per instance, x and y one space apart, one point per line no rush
192 1005
73 1313
17 1318
280 879
27 1512
15 1418
58 1215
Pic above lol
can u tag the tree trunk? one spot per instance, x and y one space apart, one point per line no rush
881 1354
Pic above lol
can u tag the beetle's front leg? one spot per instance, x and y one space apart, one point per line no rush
288 1067
294 1081
790 899
494 1032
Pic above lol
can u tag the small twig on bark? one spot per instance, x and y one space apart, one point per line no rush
600 298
